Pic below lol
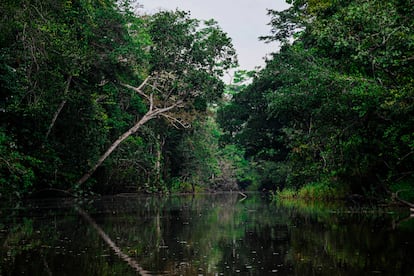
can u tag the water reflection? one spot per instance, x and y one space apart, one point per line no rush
204 235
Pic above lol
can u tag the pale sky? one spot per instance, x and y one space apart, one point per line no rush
243 20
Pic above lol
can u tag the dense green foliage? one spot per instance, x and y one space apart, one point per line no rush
335 105
333 108
62 105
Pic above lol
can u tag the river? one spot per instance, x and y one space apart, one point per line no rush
211 234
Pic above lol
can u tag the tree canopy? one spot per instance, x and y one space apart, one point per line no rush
335 104
96 97
77 75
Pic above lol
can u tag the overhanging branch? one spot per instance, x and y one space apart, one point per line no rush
139 88
176 122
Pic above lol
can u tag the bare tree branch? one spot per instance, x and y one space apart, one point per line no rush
151 101
155 88
176 122
152 113
139 88
405 156
402 200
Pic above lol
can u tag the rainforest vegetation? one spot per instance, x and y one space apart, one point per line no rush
97 97
332 111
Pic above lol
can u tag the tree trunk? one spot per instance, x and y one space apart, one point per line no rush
151 114
62 104
148 116
158 160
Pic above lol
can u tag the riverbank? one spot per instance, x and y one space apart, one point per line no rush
400 193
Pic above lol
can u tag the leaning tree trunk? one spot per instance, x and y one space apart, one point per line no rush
151 114
114 145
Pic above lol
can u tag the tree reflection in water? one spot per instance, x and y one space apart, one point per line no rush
205 234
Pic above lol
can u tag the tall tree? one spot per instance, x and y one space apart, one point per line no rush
336 94
187 62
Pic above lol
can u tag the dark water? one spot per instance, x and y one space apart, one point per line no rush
204 235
